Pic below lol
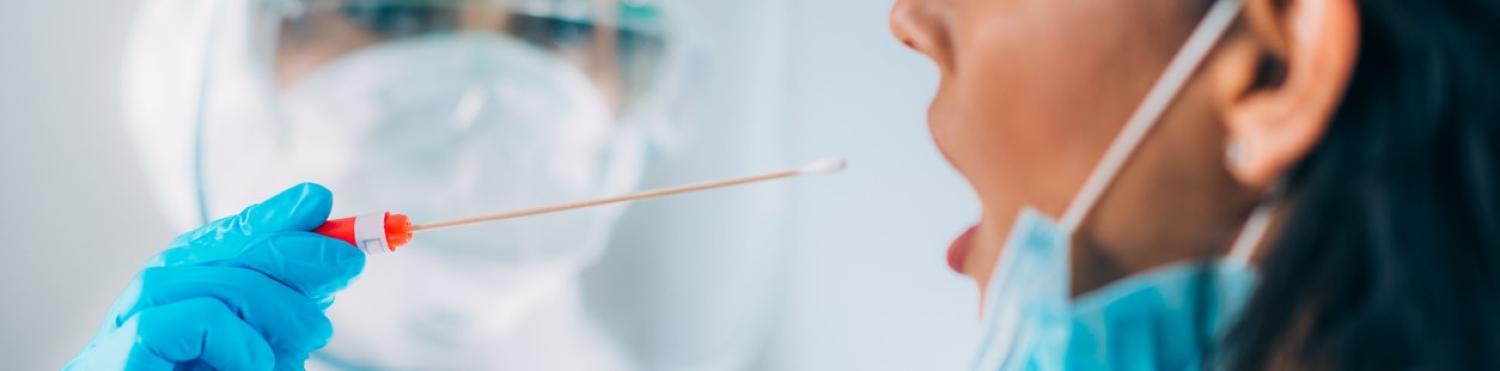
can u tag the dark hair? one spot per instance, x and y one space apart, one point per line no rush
1390 257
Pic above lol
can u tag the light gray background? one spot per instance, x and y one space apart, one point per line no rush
73 207
861 286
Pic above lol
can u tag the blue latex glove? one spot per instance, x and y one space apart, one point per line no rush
242 293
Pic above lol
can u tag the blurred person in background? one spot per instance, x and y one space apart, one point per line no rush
437 108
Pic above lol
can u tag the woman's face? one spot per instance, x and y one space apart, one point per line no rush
1033 91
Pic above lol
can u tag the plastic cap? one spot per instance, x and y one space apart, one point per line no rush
397 230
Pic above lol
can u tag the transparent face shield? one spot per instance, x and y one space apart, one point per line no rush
619 44
433 108
478 104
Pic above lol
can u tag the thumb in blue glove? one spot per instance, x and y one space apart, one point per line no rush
244 293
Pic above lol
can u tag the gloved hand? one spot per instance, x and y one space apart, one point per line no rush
242 293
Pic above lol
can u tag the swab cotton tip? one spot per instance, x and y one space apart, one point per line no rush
828 166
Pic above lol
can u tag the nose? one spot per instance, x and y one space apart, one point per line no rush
920 25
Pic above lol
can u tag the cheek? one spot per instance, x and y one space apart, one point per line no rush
1038 92
1018 126
1033 98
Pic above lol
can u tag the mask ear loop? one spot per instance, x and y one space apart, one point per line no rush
1202 41
1252 234
1255 229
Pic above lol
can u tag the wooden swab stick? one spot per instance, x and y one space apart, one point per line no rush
815 168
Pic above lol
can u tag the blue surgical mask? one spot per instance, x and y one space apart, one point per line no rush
1165 319
1169 318
1026 319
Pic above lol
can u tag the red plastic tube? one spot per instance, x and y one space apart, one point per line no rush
378 233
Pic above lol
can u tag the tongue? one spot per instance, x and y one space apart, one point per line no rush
958 251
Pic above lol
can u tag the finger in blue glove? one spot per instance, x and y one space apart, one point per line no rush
244 292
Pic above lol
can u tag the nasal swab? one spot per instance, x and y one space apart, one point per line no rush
385 232
815 168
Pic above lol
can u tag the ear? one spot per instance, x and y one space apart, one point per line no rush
1279 81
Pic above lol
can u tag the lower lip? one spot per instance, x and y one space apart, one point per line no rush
958 251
